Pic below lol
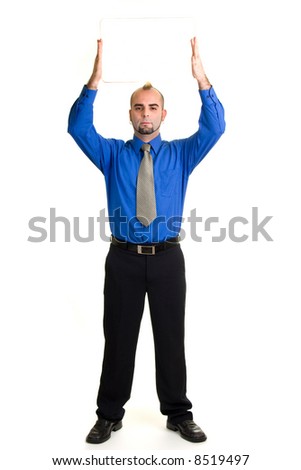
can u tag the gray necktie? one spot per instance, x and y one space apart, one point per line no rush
146 199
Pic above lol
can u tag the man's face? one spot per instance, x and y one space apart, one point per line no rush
146 113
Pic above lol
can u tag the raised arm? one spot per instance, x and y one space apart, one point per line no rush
197 66
211 121
80 124
97 69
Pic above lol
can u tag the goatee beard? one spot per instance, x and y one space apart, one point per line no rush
146 130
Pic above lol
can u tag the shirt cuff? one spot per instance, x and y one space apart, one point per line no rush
88 95
208 96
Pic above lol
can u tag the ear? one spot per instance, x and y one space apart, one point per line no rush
130 116
164 112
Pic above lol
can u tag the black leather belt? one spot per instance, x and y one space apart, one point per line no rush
150 249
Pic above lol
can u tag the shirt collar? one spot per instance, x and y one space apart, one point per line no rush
155 143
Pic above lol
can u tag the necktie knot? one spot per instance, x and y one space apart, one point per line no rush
146 147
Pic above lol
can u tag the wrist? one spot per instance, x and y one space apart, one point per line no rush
203 83
92 84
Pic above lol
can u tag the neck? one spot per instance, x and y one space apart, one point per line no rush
146 137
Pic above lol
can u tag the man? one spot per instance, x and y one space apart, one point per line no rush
146 186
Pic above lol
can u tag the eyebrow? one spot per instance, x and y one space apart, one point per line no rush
151 104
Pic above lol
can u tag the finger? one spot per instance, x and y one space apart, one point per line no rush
196 47
192 42
99 46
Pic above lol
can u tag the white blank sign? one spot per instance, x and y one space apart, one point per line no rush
138 49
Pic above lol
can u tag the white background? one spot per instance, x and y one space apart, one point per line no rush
242 335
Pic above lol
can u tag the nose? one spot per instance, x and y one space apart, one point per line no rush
145 113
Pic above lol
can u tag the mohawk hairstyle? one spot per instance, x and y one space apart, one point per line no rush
147 86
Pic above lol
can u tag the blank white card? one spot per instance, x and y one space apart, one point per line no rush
146 49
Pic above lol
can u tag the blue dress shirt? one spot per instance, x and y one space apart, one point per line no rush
119 162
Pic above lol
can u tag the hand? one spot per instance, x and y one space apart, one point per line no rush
97 69
197 67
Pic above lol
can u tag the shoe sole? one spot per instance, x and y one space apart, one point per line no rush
172 427
116 427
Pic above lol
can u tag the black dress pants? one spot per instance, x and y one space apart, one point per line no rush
129 276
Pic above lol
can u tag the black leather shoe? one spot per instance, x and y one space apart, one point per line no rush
101 431
188 430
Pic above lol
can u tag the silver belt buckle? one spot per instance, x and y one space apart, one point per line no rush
146 249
